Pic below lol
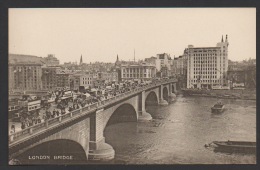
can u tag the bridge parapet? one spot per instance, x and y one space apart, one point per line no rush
37 129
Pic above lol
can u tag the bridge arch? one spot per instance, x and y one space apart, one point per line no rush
165 93
48 152
174 90
151 99
125 112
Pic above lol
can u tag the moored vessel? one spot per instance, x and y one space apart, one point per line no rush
218 108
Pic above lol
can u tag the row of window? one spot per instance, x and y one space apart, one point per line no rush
24 68
132 76
197 76
89 78
136 74
204 51
200 55
86 82
34 107
204 72
208 81
204 65
203 62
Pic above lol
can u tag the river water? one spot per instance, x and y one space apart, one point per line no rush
178 132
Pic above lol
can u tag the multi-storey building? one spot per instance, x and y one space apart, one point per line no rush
63 79
51 60
207 66
151 60
143 71
82 79
49 77
25 76
164 71
109 77
21 58
87 80
74 81
164 61
179 65
242 73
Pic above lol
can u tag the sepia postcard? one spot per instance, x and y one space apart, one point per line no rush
131 86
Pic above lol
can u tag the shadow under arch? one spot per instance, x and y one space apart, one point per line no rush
173 88
124 113
151 99
69 152
165 94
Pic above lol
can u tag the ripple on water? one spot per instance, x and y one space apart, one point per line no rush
178 132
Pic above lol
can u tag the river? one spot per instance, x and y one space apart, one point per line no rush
178 132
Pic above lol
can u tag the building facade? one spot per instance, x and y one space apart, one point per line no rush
86 80
242 74
179 65
51 60
25 76
63 79
74 82
164 60
109 77
143 71
49 78
207 66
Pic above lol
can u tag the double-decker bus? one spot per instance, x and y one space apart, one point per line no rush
29 104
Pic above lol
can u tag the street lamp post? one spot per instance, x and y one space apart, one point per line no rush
221 74
199 77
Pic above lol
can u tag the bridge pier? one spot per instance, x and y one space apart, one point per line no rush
172 96
142 114
99 150
162 102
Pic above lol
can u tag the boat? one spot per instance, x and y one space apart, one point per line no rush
232 146
218 108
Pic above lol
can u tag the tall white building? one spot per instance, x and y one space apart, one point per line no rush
207 66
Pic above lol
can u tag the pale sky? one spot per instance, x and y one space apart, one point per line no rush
99 34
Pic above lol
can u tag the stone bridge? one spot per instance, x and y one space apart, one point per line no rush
78 135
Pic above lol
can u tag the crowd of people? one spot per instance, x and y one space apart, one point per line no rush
47 112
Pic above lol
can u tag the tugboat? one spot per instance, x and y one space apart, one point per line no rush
218 108
240 146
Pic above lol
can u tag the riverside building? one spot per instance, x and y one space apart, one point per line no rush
207 66
25 76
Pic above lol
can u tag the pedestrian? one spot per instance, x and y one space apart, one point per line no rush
11 131
57 112
48 114
69 109
13 128
23 125
53 114
62 111
34 120
30 122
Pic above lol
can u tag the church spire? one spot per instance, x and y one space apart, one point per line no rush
81 61
117 59
226 38
222 39
134 55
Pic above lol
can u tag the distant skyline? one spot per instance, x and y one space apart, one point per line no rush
99 34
